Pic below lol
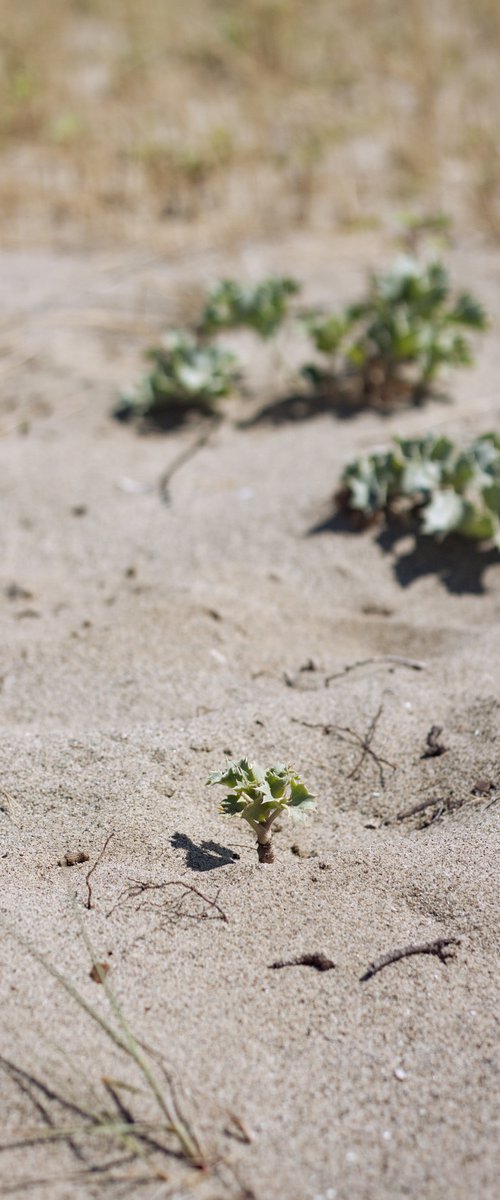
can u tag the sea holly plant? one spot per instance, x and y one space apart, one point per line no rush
261 796
187 376
441 488
262 307
392 344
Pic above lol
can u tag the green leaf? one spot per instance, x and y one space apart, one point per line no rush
461 488
277 779
468 311
258 797
238 774
262 307
327 332
186 375
477 525
300 797
491 497
231 805
423 476
406 326
443 514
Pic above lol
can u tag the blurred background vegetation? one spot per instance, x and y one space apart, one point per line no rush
163 123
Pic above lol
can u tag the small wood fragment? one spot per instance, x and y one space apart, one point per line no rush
98 971
418 808
439 948
483 787
433 747
319 961
72 858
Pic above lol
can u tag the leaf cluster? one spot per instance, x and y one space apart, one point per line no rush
262 307
449 490
187 375
260 796
408 321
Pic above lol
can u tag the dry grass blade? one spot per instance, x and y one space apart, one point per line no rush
125 1041
127 1130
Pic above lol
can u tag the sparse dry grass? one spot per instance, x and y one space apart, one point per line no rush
160 122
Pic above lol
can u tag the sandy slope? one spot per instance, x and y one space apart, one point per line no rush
151 641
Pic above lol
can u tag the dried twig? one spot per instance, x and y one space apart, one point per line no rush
88 902
433 747
439 948
319 961
397 660
363 740
137 888
418 808
184 457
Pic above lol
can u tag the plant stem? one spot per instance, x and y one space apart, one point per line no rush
264 844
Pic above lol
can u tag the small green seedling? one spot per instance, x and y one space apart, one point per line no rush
262 307
261 796
187 376
442 488
391 345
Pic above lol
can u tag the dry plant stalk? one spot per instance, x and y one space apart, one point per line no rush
172 1120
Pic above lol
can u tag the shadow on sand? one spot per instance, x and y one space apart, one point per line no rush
459 564
206 856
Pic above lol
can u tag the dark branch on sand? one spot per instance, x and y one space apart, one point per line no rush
439 948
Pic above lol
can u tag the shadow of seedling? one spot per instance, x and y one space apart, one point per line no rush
160 418
207 856
459 564
342 395
300 406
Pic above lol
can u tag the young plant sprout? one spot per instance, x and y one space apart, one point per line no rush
262 307
392 344
444 489
261 796
187 376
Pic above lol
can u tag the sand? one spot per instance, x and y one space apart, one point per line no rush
148 641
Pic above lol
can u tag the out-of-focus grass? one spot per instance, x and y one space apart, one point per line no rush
158 121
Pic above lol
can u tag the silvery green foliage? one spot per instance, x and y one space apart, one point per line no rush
259 796
262 307
408 327
186 375
450 490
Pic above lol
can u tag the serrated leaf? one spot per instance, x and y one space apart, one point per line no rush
231 805
277 779
300 797
300 812
239 774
